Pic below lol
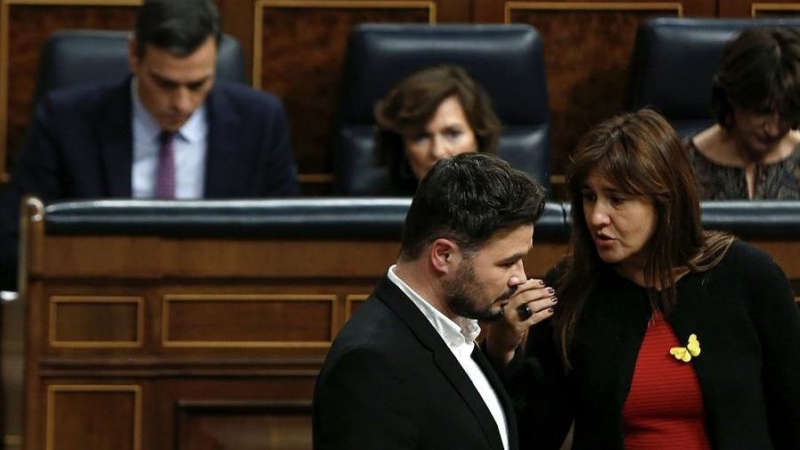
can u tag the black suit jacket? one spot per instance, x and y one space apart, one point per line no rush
390 382
81 147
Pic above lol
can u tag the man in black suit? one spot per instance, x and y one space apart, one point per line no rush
405 372
220 140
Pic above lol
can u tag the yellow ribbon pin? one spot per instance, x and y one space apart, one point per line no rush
685 354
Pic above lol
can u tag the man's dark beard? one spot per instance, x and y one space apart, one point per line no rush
463 294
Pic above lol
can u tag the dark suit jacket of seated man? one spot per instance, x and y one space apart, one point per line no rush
404 372
83 143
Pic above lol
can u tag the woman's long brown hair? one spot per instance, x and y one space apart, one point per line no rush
641 155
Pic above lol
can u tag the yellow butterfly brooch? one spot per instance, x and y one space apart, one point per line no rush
685 353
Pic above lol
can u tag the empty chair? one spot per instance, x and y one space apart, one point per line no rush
506 60
674 61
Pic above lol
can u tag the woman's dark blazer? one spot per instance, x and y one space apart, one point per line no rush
745 317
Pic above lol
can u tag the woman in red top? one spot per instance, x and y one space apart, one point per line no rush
663 335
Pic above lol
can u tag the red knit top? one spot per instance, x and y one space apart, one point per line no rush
664 408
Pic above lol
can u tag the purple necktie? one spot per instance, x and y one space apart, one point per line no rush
165 176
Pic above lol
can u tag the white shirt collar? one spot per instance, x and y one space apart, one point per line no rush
458 333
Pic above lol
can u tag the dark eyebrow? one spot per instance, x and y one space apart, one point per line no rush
608 190
454 127
513 258
419 134
619 192
165 80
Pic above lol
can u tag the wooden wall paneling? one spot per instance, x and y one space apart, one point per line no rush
31 238
248 321
31 256
736 8
294 318
202 410
494 11
352 303
112 255
455 11
785 254
229 425
699 8
11 375
749 8
131 258
487 11
775 9
3 91
587 50
96 322
299 47
236 395
78 417
109 316
237 20
24 26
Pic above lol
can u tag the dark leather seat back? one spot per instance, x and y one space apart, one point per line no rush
505 59
348 218
674 61
295 219
73 57
758 220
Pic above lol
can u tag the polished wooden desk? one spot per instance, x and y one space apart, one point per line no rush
205 337
202 326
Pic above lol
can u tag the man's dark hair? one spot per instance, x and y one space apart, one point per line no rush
179 26
468 198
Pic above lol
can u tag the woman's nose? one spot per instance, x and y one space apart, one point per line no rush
772 126
597 216
439 148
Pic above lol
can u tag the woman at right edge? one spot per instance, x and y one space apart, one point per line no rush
753 151
662 335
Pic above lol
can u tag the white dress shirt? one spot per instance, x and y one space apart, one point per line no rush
190 146
460 337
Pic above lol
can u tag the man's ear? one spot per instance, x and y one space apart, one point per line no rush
444 256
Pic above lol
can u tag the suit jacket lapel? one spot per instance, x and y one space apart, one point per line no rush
684 318
611 330
115 141
395 299
224 143
694 314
